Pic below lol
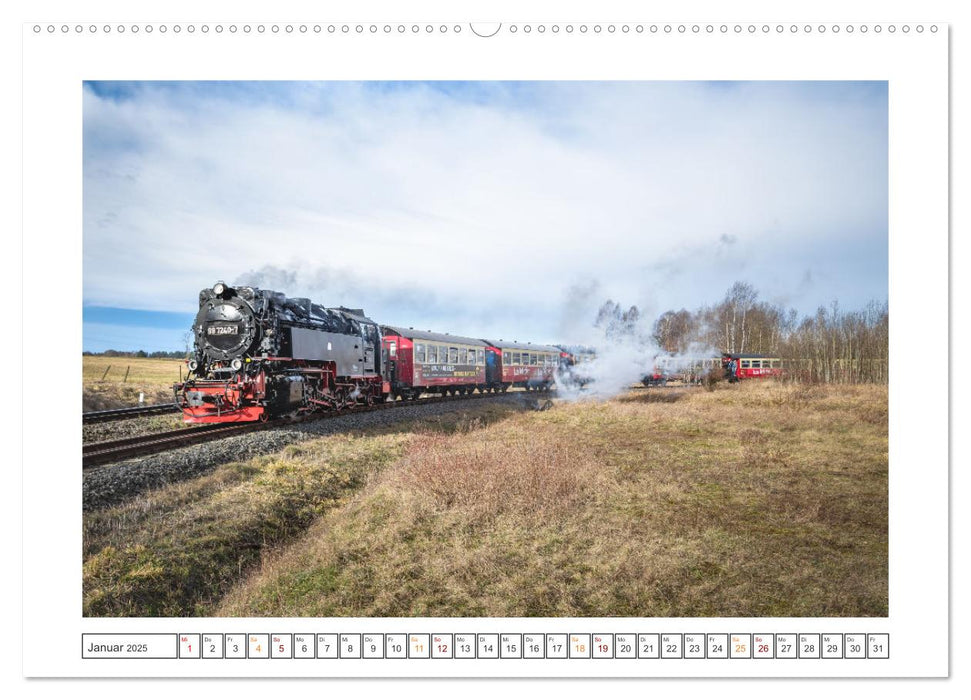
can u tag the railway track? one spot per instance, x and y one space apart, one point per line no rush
125 413
98 453
101 453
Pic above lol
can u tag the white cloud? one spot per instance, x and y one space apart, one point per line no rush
444 205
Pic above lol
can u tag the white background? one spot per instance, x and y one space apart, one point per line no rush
918 250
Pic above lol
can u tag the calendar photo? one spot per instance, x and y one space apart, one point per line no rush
485 349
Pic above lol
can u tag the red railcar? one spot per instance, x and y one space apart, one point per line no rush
425 362
749 365
521 364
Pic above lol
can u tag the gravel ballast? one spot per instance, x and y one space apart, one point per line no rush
114 483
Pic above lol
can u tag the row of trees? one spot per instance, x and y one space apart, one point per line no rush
831 345
174 354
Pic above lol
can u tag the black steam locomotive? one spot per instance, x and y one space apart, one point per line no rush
259 353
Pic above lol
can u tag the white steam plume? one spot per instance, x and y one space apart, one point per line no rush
625 352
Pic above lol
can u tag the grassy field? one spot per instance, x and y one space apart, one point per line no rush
753 500
106 386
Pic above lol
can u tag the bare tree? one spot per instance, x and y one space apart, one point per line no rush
188 339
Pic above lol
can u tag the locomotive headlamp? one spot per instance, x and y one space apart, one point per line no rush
193 365
219 288
237 364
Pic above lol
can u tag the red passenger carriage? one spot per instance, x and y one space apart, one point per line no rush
749 365
521 364
422 361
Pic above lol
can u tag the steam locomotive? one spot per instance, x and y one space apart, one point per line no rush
260 354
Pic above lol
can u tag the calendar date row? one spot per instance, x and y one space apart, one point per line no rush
486 646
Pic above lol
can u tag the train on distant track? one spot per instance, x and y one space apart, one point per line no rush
733 366
259 354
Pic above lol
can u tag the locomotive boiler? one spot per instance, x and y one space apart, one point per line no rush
259 354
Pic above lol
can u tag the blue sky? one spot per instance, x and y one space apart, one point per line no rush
478 208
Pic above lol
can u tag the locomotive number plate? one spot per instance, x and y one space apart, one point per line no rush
223 330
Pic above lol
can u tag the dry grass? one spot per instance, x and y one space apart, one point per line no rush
153 377
176 550
748 500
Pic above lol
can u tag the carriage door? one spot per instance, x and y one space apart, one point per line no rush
391 357
492 367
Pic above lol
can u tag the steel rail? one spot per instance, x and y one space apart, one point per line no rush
125 413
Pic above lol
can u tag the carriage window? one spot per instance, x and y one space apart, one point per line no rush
532 358
453 356
757 363
393 349
471 355
516 357
480 353
507 357
746 364
431 355
419 352
776 363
